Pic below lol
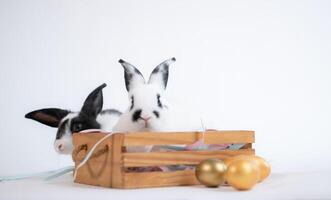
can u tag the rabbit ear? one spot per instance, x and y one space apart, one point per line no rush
160 74
48 116
132 75
94 102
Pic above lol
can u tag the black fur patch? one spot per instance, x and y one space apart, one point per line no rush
159 103
89 122
128 75
77 127
83 122
165 74
132 102
156 113
61 129
136 115
94 102
48 116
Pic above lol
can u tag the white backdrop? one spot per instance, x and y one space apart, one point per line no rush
256 65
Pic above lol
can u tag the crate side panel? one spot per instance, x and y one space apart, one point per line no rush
97 170
160 179
178 157
95 173
169 138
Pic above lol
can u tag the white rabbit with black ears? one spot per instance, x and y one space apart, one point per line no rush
148 109
91 116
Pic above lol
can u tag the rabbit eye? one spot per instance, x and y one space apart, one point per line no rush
158 96
77 127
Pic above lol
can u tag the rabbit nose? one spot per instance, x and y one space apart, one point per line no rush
63 146
60 147
145 118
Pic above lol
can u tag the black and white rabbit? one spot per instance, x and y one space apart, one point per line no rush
149 109
91 116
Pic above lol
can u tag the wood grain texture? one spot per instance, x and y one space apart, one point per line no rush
87 138
80 155
117 172
168 138
177 157
97 170
247 146
160 179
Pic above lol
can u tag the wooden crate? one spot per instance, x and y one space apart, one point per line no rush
107 165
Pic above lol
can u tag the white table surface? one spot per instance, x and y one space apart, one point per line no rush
310 185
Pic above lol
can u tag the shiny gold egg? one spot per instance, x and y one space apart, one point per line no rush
211 172
229 160
242 174
263 166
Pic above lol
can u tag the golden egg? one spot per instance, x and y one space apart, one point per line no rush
262 165
228 160
242 174
211 172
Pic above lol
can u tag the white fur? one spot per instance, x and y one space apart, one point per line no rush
145 98
107 121
171 119
64 144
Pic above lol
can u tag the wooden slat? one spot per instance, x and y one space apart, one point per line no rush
83 138
160 179
88 139
97 169
167 138
177 157
247 146
236 137
117 169
95 156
